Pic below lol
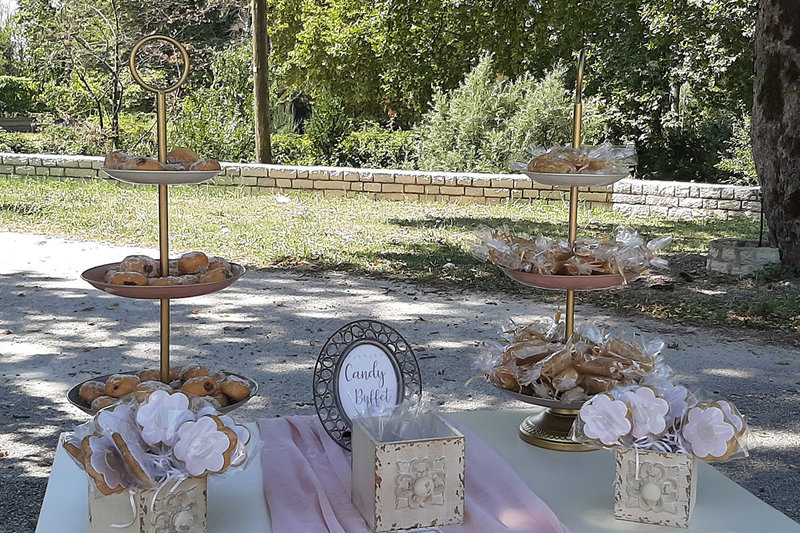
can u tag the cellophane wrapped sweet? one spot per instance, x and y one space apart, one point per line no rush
535 360
662 416
626 253
168 437
601 159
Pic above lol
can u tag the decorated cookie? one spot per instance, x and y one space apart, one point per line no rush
648 412
161 416
708 434
205 446
677 396
605 419
138 463
732 416
104 464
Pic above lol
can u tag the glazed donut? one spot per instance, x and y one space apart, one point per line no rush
188 279
221 398
119 385
216 262
218 274
146 388
90 391
102 402
116 159
193 371
163 282
235 388
200 386
128 278
109 274
175 372
174 167
141 163
182 156
148 374
193 262
205 164
141 264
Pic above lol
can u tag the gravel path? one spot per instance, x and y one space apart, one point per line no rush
56 331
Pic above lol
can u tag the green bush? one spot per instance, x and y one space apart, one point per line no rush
18 95
19 142
486 123
737 157
327 128
291 149
377 147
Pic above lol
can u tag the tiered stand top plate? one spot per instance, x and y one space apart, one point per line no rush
574 180
75 399
577 283
165 177
96 277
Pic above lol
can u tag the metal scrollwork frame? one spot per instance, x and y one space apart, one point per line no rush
335 351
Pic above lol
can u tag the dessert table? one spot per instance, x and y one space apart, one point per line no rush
578 487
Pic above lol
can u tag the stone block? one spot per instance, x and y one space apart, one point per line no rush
496 193
281 172
391 187
266 182
76 172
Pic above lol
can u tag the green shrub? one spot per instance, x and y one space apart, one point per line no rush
487 122
326 129
18 95
291 149
737 158
377 147
19 142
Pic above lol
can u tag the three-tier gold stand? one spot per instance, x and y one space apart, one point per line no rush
550 427
163 195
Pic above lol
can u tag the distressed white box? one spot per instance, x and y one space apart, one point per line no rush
655 487
408 484
183 510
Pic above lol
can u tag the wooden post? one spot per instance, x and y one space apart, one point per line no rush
261 82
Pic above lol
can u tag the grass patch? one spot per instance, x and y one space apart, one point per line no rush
411 241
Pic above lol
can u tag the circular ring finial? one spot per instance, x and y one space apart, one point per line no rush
173 42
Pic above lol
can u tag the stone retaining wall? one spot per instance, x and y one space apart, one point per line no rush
663 199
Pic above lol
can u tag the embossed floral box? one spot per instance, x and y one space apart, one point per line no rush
655 487
409 484
150 511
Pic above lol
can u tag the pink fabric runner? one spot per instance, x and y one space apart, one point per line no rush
307 485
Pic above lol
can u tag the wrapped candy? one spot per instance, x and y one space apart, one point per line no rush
602 159
627 253
133 446
658 415
537 361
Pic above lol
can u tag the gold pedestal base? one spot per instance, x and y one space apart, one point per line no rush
550 429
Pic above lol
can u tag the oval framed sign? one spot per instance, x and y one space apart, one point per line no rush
364 366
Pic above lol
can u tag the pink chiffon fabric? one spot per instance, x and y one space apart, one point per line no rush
307 485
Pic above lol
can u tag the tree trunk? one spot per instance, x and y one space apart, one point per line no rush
776 122
261 82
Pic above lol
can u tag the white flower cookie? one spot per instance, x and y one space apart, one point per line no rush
708 434
204 446
161 417
605 419
648 412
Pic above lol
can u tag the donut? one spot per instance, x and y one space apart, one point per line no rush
141 264
146 388
235 388
188 279
215 262
211 276
193 262
128 278
109 274
102 402
175 372
90 391
221 398
182 156
175 167
204 405
116 159
200 386
164 282
205 164
141 163
193 371
119 385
